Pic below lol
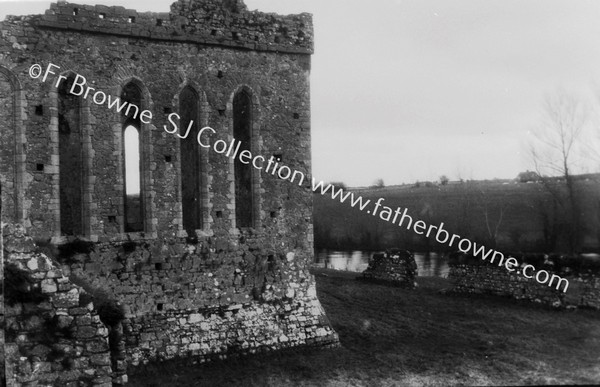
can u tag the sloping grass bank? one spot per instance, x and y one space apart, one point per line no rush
394 336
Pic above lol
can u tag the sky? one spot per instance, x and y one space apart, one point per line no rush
409 90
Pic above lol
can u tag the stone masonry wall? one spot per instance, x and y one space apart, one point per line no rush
591 292
206 292
491 279
278 84
2 339
223 23
205 298
54 336
397 267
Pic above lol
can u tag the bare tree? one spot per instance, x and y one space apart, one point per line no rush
557 151
592 144
493 216
463 222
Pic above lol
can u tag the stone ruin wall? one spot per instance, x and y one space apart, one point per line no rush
54 335
591 292
491 279
394 267
224 290
183 299
2 317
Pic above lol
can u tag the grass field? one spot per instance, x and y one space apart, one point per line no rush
400 337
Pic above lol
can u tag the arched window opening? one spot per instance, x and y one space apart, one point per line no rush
133 202
242 131
191 198
132 156
70 160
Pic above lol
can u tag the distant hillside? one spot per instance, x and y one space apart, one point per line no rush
526 216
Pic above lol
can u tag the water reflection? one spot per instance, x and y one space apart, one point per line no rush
429 264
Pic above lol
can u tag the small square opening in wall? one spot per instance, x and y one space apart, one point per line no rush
167 110
220 74
75 11
191 240
168 158
131 19
112 219
39 167
296 116
159 307
273 214
222 112
213 32
159 22
219 214
101 16
39 110
158 266
278 157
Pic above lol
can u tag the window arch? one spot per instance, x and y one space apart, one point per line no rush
243 174
190 162
133 190
70 160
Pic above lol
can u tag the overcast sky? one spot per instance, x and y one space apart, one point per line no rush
410 90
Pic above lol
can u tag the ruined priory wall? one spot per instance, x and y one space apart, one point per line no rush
53 335
280 93
228 290
207 299
210 22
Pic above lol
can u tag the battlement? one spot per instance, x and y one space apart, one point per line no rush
211 22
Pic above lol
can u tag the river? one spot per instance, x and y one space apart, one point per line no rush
428 264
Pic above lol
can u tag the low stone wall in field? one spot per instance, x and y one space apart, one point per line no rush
395 267
485 278
591 292
491 279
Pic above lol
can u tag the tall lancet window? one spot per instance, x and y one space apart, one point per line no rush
132 156
191 188
242 131
70 160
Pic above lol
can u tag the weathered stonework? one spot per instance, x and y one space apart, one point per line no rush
183 299
205 260
54 336
2 338
591 292
395 267
491 279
